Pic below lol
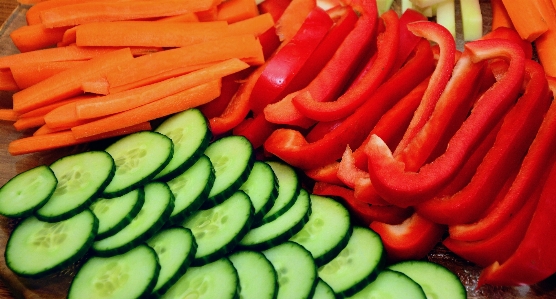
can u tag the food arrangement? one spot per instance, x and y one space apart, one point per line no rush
433 137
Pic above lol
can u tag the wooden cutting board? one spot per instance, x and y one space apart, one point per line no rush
55 286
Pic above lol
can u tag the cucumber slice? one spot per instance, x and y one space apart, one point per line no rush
214 280
257 277
288 190
232 158
190 134
37 248
296 269
436 280
115 213
139 157
191 189
391 284
175 248
356 265
328 230
219 229
26 192
154 213
81 177
324 291
117 277
282 228
262 188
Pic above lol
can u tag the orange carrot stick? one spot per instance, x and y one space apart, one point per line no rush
186 17
184 100
88 12
237 10
36 37
38 143
7 81
68 83
241 46
500 17
68 37
256 25
292 18
28 74
133 98
96 86
145 33
8 114
24 123
33 13
546 43
526 18
65 116
46 109
45 129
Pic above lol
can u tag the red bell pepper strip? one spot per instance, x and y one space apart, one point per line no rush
285 64
514 137
292 147
363 213
534 259
412 239
256 129
230 85
511 34
529 175
401 187
275 7
373 75
408 40
499 247
330 81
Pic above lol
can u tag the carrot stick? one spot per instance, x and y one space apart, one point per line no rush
133 98
241 46
53 54
24 123
45 129
36 37
46 109
7 81
96 86
500 17
65 116
88 12
68 83
33 13
208 15
526 18
186 17
8 114
68 37
38 143
292 18
28 74
184 100
237 10
256 25
546 43
145 33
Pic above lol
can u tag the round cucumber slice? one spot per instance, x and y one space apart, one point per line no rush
257 277
262 188
36 248
26 192
324 291
391 285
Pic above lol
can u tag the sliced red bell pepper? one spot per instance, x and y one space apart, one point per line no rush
408 40
534 259
256 129
363 213
412 239
408 187
286 63
292 147
325 174
373 75
275 7
511 34
529 175
230 85
514 137
333 77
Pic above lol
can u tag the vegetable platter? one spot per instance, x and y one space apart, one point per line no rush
56 285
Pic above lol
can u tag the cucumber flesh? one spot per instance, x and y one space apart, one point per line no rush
26 192
117 277
324 291
257 277
37 248
391 285
262 188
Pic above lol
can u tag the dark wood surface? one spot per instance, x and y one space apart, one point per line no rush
55 286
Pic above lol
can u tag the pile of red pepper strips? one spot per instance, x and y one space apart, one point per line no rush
423 142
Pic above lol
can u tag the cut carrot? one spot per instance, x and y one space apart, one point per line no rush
65 116
133 98
36 37
28 74
96 86
33 13
45 129
38 143
8 114
241 46
80 13
500 17
256 25
237 10
208 15
546 43
184 100
24 123
68 83
186 17
526 18
53 54
46 109
7 81
292 18
69 37
145 33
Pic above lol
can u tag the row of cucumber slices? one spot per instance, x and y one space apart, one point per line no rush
170 214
